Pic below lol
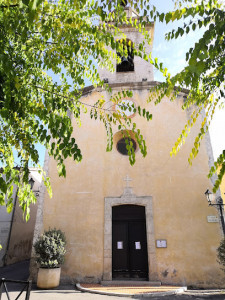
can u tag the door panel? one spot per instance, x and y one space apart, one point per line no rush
120 247
129 243
138 249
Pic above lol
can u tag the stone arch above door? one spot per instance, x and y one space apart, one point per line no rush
129 198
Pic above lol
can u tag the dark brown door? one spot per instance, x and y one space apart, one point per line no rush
129 244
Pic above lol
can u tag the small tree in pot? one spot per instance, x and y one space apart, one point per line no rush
50 251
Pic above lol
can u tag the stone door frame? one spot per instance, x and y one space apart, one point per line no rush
129 198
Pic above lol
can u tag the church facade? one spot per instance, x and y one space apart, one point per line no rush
149 221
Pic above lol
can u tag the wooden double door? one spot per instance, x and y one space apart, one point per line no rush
129 243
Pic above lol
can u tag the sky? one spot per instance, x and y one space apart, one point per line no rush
172 54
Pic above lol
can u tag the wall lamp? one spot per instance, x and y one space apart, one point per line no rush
31 183
213 201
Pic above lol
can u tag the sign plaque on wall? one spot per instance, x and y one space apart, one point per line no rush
161 243
212 219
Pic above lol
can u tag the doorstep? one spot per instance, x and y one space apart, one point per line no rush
130 283
130 290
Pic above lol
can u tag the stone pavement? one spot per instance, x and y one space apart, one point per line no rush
69 293
20 271
131 290
17 271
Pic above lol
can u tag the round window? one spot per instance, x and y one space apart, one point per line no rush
122 146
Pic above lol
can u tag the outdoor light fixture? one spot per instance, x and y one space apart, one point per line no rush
210 197
31 182
213 201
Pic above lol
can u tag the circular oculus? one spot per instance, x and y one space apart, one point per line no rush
122 146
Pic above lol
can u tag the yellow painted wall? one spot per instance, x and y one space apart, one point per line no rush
179 205
222 189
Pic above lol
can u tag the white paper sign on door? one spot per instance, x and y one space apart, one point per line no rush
119 245
138 245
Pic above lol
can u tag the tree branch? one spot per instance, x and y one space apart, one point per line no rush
71 99
9 6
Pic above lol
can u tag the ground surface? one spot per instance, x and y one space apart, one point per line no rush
20 271
68 294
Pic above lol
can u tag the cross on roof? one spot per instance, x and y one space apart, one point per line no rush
127 179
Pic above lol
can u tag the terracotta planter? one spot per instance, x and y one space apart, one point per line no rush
48 278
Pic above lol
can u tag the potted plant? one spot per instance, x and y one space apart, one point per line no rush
50 251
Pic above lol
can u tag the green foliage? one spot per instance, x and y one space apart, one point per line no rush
67 39
50 249
221 254
205 72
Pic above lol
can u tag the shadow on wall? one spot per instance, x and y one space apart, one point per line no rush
16 235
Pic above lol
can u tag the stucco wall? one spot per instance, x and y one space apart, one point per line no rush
20 236
177 191
5 226
222 188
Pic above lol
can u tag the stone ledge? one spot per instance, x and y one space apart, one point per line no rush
130 291
130 283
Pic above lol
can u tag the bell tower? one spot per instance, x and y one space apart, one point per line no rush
132 68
